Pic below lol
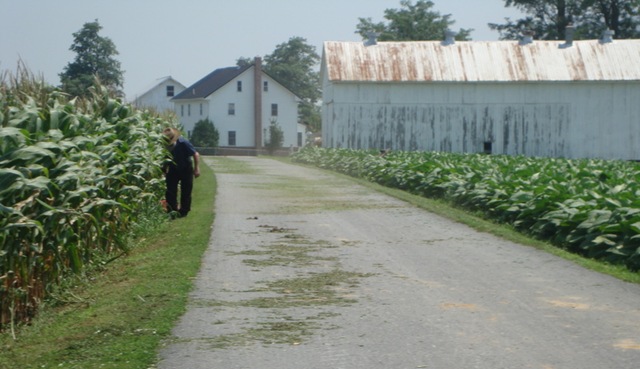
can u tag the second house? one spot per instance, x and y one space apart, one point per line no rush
241 102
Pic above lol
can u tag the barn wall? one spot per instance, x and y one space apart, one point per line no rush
569 119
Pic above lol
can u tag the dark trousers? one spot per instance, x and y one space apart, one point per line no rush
185 179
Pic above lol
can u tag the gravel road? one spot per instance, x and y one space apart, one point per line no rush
309 270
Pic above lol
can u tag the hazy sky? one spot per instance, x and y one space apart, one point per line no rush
189 39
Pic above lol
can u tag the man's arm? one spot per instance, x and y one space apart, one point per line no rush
196 164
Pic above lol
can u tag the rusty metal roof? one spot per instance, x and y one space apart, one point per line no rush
482 61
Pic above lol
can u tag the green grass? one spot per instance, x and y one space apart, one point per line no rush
233 166
119 319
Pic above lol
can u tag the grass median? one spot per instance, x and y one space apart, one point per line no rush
117 318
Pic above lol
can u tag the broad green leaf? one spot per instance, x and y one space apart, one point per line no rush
33 154
635 227
603 240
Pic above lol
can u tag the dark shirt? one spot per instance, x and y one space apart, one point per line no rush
182 152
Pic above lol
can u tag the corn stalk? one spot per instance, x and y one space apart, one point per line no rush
73 178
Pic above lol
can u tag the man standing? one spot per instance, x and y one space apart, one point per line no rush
180 171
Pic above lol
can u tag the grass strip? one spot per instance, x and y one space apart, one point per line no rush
119 319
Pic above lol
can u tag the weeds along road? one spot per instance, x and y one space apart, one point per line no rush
309 270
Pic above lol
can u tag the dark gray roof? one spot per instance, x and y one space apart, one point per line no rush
211 83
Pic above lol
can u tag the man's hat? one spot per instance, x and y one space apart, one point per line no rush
171 134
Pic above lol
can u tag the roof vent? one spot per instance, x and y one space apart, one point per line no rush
372 38
607 36
527 37
449 37
568 36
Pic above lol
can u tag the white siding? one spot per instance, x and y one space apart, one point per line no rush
216 108
287 117
156 97
188 112
540 99
558 119
242 121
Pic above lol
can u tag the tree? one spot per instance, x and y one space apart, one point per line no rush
620 16
413 22
275 139
243 62
94 60
292 63
548 19
205 134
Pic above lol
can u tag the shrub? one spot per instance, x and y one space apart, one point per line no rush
275 139
205 134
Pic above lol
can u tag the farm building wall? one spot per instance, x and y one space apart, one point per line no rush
553 119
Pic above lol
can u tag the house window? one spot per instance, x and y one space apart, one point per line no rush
274 110
232 138
232 109
265 86
200 108
189 110
182 110
239 86
169 90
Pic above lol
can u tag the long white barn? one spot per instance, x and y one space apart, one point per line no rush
573 99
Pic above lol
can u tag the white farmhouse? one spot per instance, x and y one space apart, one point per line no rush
241 102
159 96
573 99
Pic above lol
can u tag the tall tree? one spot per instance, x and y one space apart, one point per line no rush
548 19
620 16
412 22
95 58
293 64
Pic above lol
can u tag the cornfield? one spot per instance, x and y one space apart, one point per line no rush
590 207
74 175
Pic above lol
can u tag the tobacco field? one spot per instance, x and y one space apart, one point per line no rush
589 207
74 177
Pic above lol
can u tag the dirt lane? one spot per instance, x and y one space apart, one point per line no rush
308 270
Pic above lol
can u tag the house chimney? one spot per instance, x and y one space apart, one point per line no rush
527 37
568 36
257 101
607 37
449 37
372 38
